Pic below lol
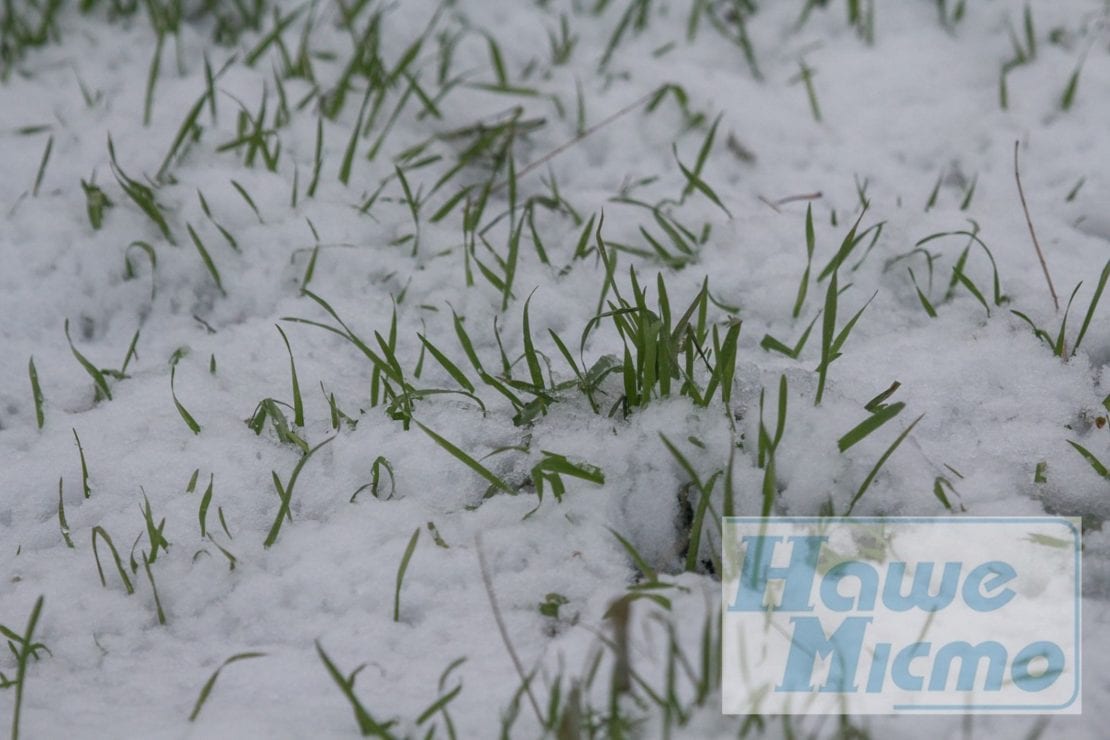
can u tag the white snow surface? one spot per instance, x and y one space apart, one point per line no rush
919 103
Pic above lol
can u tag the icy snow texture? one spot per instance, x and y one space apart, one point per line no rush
920 102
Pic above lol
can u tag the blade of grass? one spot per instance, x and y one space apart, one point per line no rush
103 534
286 493
206 258
36 392
298 404
23 654
190 422
94 373
646 570
401 569
211 682
1093 461
1086 319
367 725
62 524
810 243
878 465
205 502
154 590
467 460
42 166
140 194
872 423
84 466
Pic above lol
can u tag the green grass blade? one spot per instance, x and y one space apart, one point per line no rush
872 423
368 726
637 559
36 392
286 493
190 422
1093 461
84 466
878 465
828 328
206 258
154 590
211 682
62 524
23 654
401 569
1086 319
42 166
140 194
451 368
530 355
467 460
298 403
205 502
103 534
94 373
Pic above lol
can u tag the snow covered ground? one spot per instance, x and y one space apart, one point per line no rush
301 168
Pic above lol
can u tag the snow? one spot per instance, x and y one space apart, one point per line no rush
919 103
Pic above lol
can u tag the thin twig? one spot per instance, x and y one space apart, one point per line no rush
1032 233
769 204
525 679
794 198
578 139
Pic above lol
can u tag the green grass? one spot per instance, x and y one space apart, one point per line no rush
154 590
1059 345
210 684
550 471
880 414
186 417
141 195
410 548
811 241
832 340
205 502
36 393
375 485
368 726
298 403
495 481
27 649
97 203
285 493
867 481
705 491
103 534
63 526
206 258
84 466
805 76
102 389
450 184
1097 465
42 167
766 449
